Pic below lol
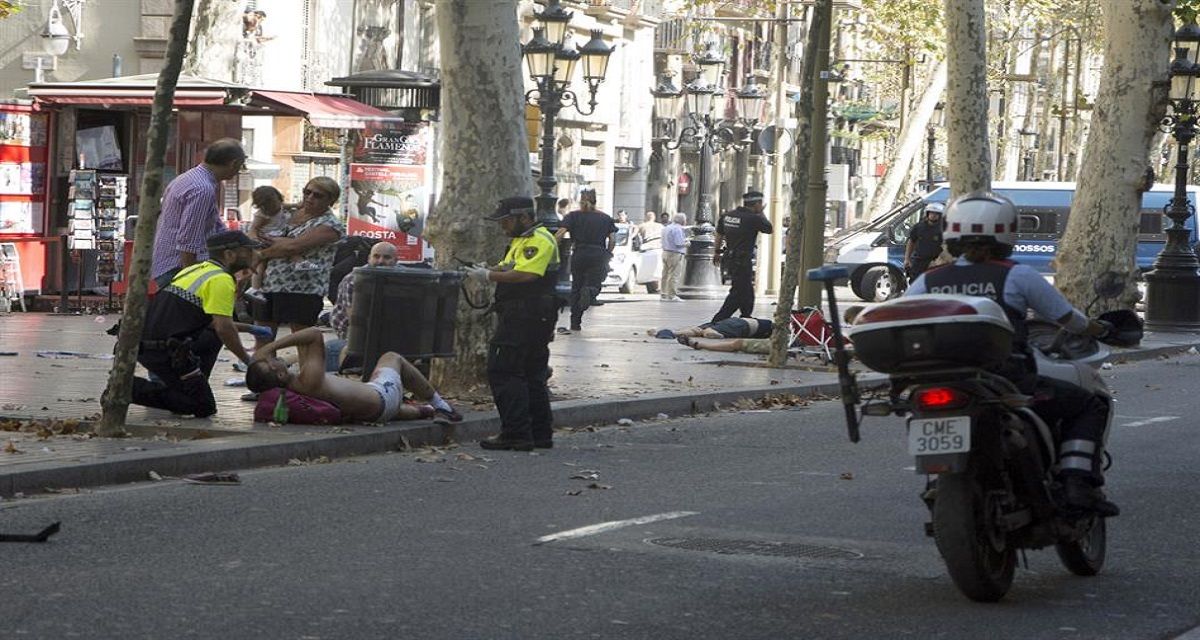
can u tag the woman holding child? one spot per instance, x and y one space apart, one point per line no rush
300 258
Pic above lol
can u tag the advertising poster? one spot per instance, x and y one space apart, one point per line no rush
23 138
389 184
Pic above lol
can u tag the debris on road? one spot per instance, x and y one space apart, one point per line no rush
213 478
625 422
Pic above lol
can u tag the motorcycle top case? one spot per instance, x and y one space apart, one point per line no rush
927 331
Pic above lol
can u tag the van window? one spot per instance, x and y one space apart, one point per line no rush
1040 223
902 227
1150 225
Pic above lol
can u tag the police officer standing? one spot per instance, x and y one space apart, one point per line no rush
187 323
734 248
526 307
593 233
924 241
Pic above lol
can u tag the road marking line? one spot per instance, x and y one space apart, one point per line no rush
603 527
1142 423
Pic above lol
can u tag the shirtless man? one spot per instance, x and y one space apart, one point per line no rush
380 400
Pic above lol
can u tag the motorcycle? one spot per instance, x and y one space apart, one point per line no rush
990 461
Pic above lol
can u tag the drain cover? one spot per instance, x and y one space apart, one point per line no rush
756 548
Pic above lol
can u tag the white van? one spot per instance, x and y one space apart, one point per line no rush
875 252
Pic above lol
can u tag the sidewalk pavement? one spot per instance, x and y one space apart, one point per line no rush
611 370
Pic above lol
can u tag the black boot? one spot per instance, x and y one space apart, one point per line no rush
1081 496
504 442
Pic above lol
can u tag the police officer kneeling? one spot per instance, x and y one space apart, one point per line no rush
518 363
980 230
186 324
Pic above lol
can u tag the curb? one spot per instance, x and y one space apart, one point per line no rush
249 451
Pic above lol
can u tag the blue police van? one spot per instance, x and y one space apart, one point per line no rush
875 252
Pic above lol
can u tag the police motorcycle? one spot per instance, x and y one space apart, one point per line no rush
990 461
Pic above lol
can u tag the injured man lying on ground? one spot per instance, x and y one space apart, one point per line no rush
734 335
380 400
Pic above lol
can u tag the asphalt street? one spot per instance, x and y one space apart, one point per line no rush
752 524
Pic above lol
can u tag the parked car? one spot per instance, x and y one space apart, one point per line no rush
631 264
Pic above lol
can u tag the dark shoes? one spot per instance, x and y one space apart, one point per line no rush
441 416
506 443
1081 497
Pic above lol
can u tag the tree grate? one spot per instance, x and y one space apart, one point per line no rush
756 548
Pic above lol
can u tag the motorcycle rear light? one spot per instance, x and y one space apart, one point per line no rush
939 398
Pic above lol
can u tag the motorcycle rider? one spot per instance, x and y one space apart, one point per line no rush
980 230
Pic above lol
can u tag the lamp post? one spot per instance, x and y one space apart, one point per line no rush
551 65
701 280
1173 286
935 120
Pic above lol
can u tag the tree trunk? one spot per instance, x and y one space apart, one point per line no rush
115 400
912 138
1008 140
970 162
1101 233
803 152
485 158
216 30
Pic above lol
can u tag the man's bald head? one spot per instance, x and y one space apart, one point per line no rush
225 158
383 254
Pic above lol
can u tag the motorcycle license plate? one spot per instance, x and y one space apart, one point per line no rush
932 436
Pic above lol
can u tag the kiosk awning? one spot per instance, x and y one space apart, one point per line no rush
329 111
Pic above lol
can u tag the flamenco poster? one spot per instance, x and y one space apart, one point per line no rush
389 184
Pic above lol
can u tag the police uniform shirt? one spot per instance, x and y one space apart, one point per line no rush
589 228
1024 289
536 252
928 238
740 228
186 306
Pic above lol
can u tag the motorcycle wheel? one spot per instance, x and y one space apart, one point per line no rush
1085 556
980 562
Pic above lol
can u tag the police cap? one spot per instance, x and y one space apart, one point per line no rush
513 206
752 197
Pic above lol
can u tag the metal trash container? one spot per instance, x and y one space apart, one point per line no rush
407 310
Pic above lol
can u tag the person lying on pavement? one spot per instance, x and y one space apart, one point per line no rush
380 400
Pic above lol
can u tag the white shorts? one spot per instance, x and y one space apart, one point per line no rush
391 391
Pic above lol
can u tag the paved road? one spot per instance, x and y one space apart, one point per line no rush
440 545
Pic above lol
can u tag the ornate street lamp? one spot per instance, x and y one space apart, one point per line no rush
552 61
935 121
1173 286
701 279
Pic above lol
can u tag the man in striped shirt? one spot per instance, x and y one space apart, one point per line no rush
189 210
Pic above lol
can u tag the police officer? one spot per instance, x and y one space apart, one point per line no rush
593 233
980 230
186 324
924 241
526 307
734 248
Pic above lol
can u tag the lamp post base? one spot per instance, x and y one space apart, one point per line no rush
701 278
1173 299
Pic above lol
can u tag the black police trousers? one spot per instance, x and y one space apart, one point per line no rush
740 271
190 396
1081 417
589 268
518 366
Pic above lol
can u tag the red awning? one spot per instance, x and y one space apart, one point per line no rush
334 112
137 101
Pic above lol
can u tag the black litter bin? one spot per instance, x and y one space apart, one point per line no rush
407 310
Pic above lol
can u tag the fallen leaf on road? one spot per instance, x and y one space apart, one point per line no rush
154 475
213 478
597 485
464 457
430 459
586 475
846 475
444 480
574 492
11 448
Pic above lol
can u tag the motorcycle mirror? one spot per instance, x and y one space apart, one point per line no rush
1110 284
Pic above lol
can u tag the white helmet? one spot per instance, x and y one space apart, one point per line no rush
981 215
935 207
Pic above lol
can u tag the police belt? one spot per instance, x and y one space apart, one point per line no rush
166 345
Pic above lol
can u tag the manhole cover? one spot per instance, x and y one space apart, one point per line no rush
756 548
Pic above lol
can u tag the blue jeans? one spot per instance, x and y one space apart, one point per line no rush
333 349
